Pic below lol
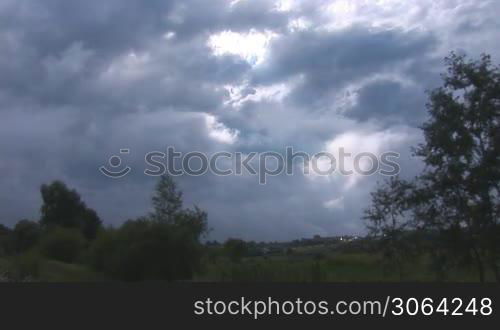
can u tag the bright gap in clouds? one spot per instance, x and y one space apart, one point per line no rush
237 96
285 5
355 143
251 46
219 132
390 14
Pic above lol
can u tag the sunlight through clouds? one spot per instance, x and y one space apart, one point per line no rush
285 5
345 147
239 95
219 132
251 46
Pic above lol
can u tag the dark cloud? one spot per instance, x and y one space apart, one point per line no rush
327 61
390 102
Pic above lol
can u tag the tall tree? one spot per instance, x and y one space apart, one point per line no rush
462 157
168 208
388 220
167 200
64 208
458 194
162 246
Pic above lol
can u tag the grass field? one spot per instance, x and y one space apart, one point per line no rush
333 267
44 270
298 267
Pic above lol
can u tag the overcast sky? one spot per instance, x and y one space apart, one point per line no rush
80 80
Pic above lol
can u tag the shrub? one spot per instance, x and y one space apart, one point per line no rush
25 235
163 246
25 266
146 250
102 250
62 244
63 207
236 249
6 241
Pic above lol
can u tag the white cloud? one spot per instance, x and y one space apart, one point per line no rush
299 24
251 46
285 5
234 2
219 132
390 14
351 144
238 95
169 35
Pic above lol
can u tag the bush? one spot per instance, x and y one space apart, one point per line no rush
63 207
102 251
25 266
25 235
236 249
62 244
146 250
6 241
163 246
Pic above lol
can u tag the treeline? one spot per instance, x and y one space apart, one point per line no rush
450 212
163 245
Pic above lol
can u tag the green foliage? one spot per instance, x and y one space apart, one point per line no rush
298 268
146 250
90 224
62 244
457 196
236 249
31 266
166 200
388 220
25 235
64 208
6 241
461 184
167 204
56 271
103 250
164 246
334 267
25 266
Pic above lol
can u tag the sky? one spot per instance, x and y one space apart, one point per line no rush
80 80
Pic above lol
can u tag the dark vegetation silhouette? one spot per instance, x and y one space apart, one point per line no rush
164 245
236 249
442 225
452 207
63 207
